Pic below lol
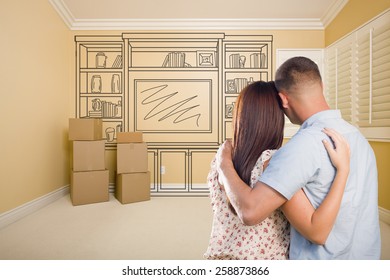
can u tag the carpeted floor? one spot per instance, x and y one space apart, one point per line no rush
162 228
170 228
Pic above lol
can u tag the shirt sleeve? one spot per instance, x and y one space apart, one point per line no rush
292 166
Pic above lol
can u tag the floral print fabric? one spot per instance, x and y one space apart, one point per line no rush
232 240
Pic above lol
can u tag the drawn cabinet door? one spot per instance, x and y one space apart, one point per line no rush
200 162
152 168
173 173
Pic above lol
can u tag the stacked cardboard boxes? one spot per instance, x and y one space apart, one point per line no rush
89 176
133 177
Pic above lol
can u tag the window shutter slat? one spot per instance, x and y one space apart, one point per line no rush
358 77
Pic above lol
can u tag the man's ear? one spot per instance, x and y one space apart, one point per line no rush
284 99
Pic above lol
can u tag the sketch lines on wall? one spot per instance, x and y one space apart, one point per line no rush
179 89
167 83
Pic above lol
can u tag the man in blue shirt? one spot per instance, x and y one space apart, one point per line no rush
304 163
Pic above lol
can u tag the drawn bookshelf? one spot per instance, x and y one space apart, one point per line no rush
247 58
99 82
179 89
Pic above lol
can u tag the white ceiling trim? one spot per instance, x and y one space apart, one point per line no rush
195 24
333 11
64 12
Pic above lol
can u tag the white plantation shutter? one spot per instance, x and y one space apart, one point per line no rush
339 76
358 77
331 77
373 74
380 111
344 81
363 79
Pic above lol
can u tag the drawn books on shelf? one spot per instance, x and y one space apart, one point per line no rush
256 60
175 59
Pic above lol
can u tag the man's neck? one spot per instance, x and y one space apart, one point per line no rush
312 110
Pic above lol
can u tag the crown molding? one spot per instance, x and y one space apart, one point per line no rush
183 24
63 12
195 24
332 12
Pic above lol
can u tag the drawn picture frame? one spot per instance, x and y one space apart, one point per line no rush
231 86
194 115
205 59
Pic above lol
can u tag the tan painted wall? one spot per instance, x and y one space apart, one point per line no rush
35 75
353 15
382 152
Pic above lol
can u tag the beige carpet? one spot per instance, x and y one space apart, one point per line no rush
162 228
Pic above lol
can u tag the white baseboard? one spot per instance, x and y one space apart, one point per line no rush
17 213
384 215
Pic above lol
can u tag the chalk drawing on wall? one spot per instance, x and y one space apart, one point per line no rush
99 83
173 105
168 85
205 59
178 88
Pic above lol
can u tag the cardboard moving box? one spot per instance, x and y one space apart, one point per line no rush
132 157
133 187
88 155
89 187
85 129
129 137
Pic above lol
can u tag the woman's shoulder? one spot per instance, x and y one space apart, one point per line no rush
265 156
259 166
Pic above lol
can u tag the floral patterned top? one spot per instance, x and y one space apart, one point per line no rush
232 240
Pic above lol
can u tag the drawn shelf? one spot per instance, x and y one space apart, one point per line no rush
179 89
174 50
242 56
247 58
100 80
181 59
174 86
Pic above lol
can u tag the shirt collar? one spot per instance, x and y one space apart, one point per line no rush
327 114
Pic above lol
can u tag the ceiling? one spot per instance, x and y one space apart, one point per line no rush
199 14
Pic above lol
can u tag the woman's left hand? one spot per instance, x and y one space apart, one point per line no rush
340 154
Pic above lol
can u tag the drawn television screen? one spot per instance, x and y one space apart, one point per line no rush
173 105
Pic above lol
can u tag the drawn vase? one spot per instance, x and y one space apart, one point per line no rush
118 128
110 134
115 84
96 84
101 59
242 61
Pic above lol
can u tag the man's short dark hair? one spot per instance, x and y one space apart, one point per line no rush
296 70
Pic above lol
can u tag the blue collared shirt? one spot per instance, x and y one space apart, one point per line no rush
304 163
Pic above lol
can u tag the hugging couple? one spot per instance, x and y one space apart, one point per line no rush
316 197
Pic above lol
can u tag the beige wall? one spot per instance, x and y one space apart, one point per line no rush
36 54
382 152
353 15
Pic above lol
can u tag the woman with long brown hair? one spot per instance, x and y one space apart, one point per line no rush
258 124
